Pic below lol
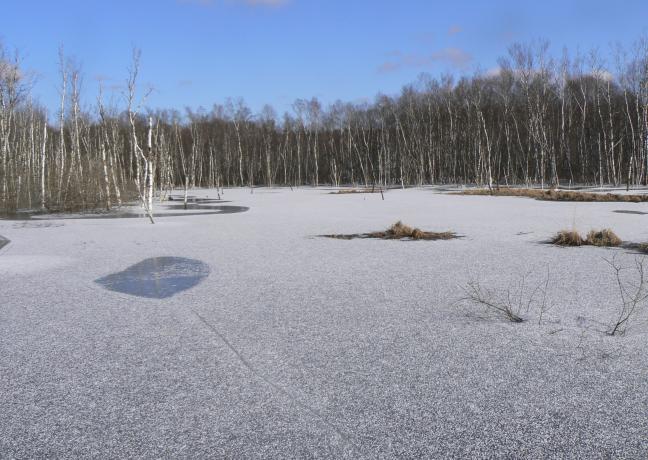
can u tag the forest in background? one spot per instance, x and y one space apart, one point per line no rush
536 120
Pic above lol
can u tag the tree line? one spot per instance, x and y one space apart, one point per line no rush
535 120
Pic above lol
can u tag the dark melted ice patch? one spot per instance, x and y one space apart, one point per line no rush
3 241
157 277
26 224
626 211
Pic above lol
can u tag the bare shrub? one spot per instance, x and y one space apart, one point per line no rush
510 303
477 295
633 293
604 237
568 238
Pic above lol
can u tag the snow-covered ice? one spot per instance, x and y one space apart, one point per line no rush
299 346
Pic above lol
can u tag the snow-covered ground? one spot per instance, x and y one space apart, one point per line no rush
299 346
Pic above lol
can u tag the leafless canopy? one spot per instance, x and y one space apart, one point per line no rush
536 120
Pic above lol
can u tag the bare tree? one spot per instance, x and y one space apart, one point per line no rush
146 190
43 159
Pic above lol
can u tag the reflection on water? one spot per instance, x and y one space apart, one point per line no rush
135 214
157 277
209 210
193 199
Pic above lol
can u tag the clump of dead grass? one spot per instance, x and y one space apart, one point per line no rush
557 195
600 238
567 238
398 231
604 238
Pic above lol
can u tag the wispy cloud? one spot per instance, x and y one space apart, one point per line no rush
455 57
454 30
388 66
262 3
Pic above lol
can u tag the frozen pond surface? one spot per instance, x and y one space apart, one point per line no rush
157 277
302 347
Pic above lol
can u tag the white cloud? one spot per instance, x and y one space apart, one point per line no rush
494 72
603 75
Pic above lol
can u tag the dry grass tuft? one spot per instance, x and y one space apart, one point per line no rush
601 238
568 238
417 234
557 195
605 238
399 231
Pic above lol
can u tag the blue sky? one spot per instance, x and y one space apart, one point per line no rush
200 52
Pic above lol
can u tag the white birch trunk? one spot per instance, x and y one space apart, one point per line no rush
42 171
